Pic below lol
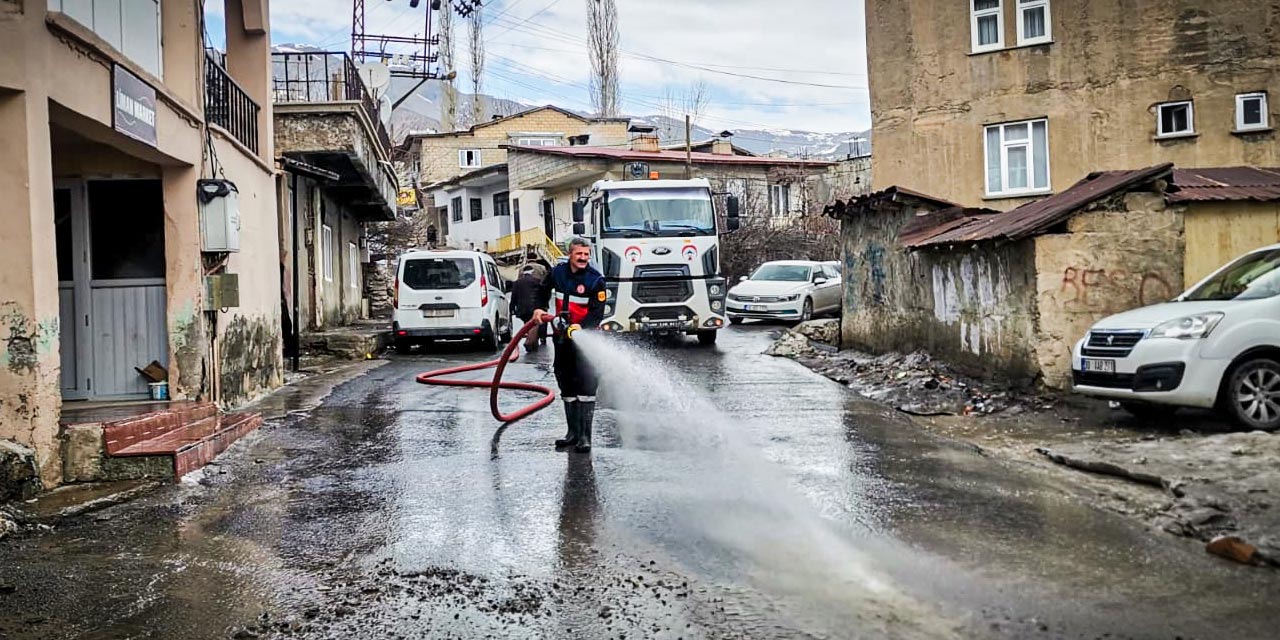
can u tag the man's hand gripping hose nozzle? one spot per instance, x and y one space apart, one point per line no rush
561 326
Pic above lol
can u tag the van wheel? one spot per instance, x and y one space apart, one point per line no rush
1252 394
489 341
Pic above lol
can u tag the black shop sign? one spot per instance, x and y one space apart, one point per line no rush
133 106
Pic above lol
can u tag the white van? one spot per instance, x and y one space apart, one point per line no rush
447 295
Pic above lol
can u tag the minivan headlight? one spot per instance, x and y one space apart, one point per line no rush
1188 328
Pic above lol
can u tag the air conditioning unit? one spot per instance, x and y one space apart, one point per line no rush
219 216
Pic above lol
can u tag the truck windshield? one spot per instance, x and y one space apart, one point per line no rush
659 212
782 273
439 273
1252 277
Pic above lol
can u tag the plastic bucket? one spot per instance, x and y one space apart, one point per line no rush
159 390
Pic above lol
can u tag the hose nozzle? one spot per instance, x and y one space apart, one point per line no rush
570 330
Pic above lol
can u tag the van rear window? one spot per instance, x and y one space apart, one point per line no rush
439 273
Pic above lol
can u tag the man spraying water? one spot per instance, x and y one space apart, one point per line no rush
580 296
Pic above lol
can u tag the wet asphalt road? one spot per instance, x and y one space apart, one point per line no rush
730 495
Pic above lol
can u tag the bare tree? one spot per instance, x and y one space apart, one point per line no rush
692 102
448 64
602 41
477 67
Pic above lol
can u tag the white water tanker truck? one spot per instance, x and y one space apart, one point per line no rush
657 242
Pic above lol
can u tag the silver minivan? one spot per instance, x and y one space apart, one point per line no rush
450 295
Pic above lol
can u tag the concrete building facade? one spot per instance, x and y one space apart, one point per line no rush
995 102
106 128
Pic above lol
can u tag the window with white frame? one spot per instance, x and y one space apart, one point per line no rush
469 158
1175 119
987 24
1251 112
537 142
353 265
1017 157
1034 26
326 251
780 199
131 26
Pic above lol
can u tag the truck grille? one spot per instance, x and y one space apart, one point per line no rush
1111 344
656 284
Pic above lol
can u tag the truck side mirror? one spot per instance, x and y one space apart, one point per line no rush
733 207
579 213
579 228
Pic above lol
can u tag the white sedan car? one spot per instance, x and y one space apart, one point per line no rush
1215 346
786 290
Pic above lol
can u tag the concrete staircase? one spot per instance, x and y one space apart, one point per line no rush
186 436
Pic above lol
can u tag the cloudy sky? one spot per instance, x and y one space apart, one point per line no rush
767 64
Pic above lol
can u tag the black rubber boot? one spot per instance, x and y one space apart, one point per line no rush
572 411
586 414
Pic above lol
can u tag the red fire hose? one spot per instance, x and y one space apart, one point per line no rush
509 355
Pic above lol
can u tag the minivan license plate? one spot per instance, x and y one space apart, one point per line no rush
1098 366
437 313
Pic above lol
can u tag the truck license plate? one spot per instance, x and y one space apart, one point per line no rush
663 324
437 313
1098 366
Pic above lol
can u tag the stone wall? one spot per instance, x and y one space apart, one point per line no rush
972 306
1097 82
1125 253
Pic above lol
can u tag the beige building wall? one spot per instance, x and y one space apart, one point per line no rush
1109 64
1219 232
439 152
1099 267
56 72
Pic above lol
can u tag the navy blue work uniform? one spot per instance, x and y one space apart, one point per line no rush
581 296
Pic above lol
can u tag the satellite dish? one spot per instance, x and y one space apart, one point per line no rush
376 76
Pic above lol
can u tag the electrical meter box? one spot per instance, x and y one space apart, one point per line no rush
222 291
219 216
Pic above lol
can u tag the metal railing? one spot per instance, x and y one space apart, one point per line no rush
227 105
324 76
529 238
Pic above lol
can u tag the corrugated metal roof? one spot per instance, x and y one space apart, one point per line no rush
1226 184
868 203
1035 217
627 155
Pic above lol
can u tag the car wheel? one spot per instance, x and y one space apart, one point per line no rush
1253 394
806 313
707 338
733 320
1148 411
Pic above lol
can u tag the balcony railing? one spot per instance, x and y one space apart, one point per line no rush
324 76
228 106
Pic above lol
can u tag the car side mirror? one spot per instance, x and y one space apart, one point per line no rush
819 280
579 228
579 213
742 278
733 208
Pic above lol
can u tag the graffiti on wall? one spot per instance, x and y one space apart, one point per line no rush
1089 289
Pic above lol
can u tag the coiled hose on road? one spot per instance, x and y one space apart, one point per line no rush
509 355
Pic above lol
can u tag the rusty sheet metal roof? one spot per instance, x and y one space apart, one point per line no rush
870 202
1226 183
1034 217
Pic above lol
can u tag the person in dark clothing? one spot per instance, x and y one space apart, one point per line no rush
580 295
525 302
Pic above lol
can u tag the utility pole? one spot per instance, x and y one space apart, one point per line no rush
688 147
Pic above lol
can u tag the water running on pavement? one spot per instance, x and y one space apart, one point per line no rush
742 502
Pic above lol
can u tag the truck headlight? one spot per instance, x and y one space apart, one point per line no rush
715 289
1188 328
608 310
716 305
